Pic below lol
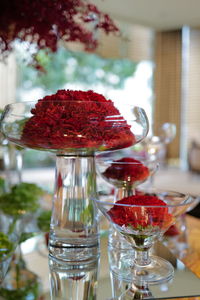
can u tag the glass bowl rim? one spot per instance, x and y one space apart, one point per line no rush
186 197
74 101
110 117
142 162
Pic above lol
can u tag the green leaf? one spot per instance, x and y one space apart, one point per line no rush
2 186
87 214
43 220
6 246
25 236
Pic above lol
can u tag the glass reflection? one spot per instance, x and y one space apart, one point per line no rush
184 283
72 280
20 282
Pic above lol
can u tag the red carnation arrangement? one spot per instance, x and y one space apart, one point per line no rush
127 169
76 120
46 22
143 215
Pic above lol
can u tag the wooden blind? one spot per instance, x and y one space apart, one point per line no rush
193 91
134 43
167 84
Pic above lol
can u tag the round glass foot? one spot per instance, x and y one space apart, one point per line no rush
157 271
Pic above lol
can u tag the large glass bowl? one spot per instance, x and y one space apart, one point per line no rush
76 126
143 219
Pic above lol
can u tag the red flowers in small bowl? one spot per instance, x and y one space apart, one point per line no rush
76 120
141 212
127 169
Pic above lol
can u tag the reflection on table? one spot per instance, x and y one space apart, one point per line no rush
82 280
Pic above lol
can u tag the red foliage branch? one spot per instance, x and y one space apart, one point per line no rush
45 22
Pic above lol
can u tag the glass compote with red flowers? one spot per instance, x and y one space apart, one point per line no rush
74 125
126 173
142 220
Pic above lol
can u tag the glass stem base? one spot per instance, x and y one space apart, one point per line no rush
157 271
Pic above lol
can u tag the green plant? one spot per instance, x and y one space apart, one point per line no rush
29 291
23 198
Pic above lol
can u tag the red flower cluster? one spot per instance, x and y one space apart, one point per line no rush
127 169
76 119
141 216
45 22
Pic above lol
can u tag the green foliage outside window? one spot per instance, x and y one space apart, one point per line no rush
66 67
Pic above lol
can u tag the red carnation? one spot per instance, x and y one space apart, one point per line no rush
141 216
76 120
127 169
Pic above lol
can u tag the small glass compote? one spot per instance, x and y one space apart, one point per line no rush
167 132
126 173
74 130
142 220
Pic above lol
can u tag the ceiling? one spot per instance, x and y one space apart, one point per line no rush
157 14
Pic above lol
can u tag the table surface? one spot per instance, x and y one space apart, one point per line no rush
192 258
37 261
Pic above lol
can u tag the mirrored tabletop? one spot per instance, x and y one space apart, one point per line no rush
36 276
109 286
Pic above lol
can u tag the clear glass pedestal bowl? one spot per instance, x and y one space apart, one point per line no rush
142 220
125 173
74 130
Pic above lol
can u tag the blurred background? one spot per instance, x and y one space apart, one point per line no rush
153 62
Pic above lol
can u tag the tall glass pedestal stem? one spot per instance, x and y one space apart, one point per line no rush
124 192
74 233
